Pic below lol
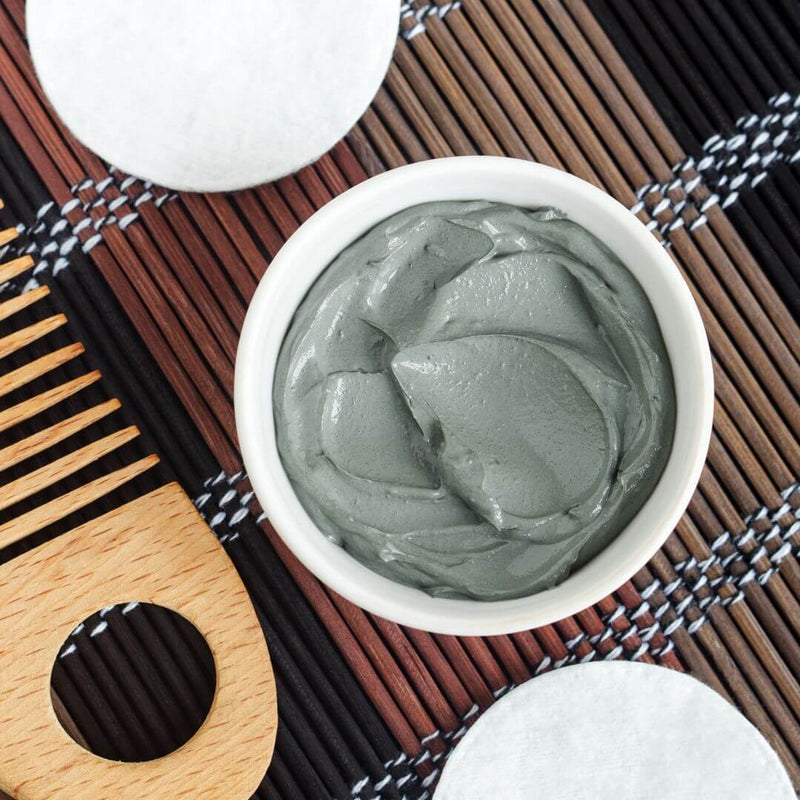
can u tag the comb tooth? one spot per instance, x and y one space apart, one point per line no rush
16 304
40 441
8 235
15 267
63 467
19 377
34 405
22 338
16 529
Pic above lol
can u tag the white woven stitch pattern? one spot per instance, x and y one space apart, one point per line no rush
738 555
232 507
233 512
727 578
728 165
410 777
420 13
51 238
645 635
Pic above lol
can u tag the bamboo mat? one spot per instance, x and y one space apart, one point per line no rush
687 112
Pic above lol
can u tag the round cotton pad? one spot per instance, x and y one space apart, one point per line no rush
613 731
209 95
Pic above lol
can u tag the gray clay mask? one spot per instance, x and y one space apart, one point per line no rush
474 399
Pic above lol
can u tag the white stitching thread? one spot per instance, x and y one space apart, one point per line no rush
241 510
737 582
728 165
62 237
419 15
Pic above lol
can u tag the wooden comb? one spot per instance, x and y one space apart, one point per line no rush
155 549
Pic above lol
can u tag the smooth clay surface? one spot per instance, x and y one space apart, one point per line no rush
474 399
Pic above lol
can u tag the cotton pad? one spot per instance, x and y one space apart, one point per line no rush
613 731
208 95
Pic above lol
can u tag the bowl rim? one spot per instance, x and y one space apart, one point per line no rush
343 220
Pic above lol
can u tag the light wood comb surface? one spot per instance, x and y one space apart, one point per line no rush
156 549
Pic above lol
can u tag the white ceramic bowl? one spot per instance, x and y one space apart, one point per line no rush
522 183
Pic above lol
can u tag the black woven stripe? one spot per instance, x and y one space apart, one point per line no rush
704 65
767 238
748 84
670 97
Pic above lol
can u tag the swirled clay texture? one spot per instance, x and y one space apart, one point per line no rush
474 399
